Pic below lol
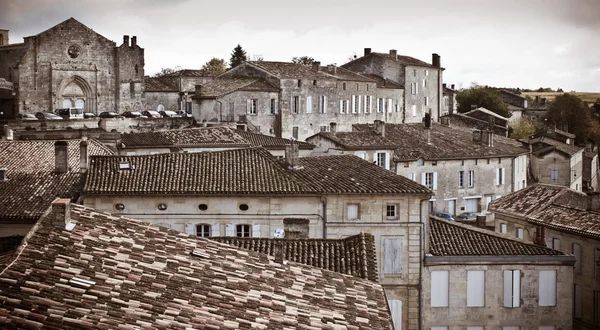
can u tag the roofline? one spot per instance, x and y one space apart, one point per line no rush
242 193
233 145
566 260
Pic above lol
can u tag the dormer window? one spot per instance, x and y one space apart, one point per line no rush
125 165
3 172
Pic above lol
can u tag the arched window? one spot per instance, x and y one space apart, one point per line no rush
80 103
67 103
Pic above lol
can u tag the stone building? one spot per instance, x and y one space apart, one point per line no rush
295 100
477 279
250 193
465 168
70 65
516 103
566 220
449 103
422 81
173 91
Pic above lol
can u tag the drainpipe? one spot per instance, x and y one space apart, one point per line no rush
422 239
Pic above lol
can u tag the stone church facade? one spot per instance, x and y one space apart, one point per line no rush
70 65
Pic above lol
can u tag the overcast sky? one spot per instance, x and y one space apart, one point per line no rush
507 43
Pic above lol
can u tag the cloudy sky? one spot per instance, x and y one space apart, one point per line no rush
512 43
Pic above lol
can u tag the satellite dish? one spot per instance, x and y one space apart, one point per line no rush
279 233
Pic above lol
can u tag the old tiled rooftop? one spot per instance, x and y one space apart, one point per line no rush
403 59
242 171
448 238
159 84
409 142
354 255
111 272
287 70
32 182
225 85
553 206
206 137
543 145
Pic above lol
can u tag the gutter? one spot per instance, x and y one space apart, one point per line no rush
567 260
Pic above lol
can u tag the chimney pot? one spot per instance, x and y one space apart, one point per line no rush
444 85
394 53
452 86
380 127
316 65
367 51
83 155
291 156
332 128
435 60
126 40
133 41
61 212
61 156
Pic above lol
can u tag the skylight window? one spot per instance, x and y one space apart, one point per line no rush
79 282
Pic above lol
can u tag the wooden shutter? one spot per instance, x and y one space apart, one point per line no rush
512 288
503 228
292 104
503 171
390 105
370 103
497 176
475 288
547 288
256 230
248 105
309 104
374 159
423 179
387 160
396 312
359 103
435 176
353 103
413 109
439 288
215 230
190 228
378 100
352 210
341 106
348 106
324 104
229 229
392 259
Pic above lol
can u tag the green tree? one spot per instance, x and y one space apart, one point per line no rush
486 97
305 60
214 67
524 128
238 56
569 110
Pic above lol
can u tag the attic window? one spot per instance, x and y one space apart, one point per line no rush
79 282
162 206
244 207
125 165
119 206
201 254
420 162
203 207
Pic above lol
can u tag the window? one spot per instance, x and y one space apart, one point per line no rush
439 288
503 228
597 263
414 88
295 132
323 128
420 162
512 288
120 206
413 109
577 300
203 207
314 83
520 233
426 100
475 328
365 109
553 243
162 206
412 176
308 104
354 104
424 83
380 104
391 211
252 106
396 312
390 105
299 83
203 230
475 288
370 109
429 180
343 107
577 254
273 106
500 176
512 327
344 86
554 174
382 159
352 212
242 230
295 108
362 155
392 258
414 73
461 179
547 288
243 207
323 104
471 179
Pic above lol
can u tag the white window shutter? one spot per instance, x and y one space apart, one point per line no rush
348 106
503 171
435 176
390 105
516 288
497 176
359 103
309 104
396 312
378 110
475 288
292 104
370 104
413 109
256 230
439 288
353 103
215 230
423 178
387 160
341 106
190 228
508 283
324 104
416 88
392 258
229 229
547 287
248 105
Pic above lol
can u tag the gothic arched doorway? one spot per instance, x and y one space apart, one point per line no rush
76 92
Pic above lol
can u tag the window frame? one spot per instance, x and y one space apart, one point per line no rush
471 179
253 107
295 108
461 179
348 205
246 230
202 233
393 211
512 277
273 106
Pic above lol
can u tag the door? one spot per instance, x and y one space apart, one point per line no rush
452 207
471 204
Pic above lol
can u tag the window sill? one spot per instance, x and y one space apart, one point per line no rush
392 219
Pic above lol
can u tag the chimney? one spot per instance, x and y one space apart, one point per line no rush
61 213
126 40
61 156
84 158
8 133
367 51
380 127
452 86
394 53
133 41
444 85
435 60
540 236
316 65
3 176
332 128
291 156
332 69
480 221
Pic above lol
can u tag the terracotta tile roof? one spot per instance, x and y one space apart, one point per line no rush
542 145
225 85
291 70
242 171
409 142
207 137
159 84
487 112
354 255
32 183
144 276
186 73
384 82
448 238
345 74
403 59
553 206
